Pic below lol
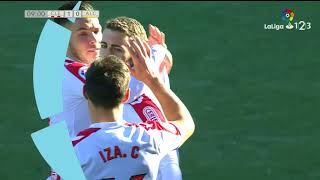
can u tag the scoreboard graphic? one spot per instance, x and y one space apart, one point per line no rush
60 14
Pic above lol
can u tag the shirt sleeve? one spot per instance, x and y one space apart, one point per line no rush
158 54
167 137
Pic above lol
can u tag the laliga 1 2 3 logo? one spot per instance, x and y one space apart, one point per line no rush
287 16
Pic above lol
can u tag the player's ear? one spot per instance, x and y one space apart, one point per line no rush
126 96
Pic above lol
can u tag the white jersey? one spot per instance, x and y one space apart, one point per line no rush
124 151
120 150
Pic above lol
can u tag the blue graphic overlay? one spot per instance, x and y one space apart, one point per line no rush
76 7
53 142
55 147
48 68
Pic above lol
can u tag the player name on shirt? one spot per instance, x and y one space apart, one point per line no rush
111 153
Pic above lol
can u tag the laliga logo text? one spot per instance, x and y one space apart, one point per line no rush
287 16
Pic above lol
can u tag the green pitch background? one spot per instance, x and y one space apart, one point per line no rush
253 93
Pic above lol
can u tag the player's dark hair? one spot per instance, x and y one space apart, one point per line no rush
85 6
107 81
129 26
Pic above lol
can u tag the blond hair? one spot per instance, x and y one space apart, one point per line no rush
128 26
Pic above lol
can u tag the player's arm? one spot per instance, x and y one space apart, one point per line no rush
158 37
174 109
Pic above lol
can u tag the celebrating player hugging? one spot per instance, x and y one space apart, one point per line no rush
124 119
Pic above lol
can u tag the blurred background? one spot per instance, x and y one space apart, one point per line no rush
253 92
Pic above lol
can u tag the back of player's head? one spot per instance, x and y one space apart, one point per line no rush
85 6
129 26
107 81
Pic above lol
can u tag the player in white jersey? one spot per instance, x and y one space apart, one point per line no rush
143 106
84 47
114 149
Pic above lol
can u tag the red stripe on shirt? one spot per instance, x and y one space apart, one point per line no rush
155 125
85 133
147 109
77 69
137 177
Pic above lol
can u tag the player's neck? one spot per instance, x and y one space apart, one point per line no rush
74 58
102 115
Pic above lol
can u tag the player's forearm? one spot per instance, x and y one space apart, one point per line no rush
172 106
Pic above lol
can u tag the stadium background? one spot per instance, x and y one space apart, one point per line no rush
253 92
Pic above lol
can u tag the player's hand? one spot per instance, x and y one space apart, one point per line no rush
139 51
156 36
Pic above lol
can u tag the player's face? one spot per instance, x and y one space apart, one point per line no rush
113 44
85 39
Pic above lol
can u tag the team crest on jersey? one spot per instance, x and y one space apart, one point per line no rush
82 72
150 113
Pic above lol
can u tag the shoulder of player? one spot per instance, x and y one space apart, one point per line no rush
147 109
84 134
77 69
157 126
